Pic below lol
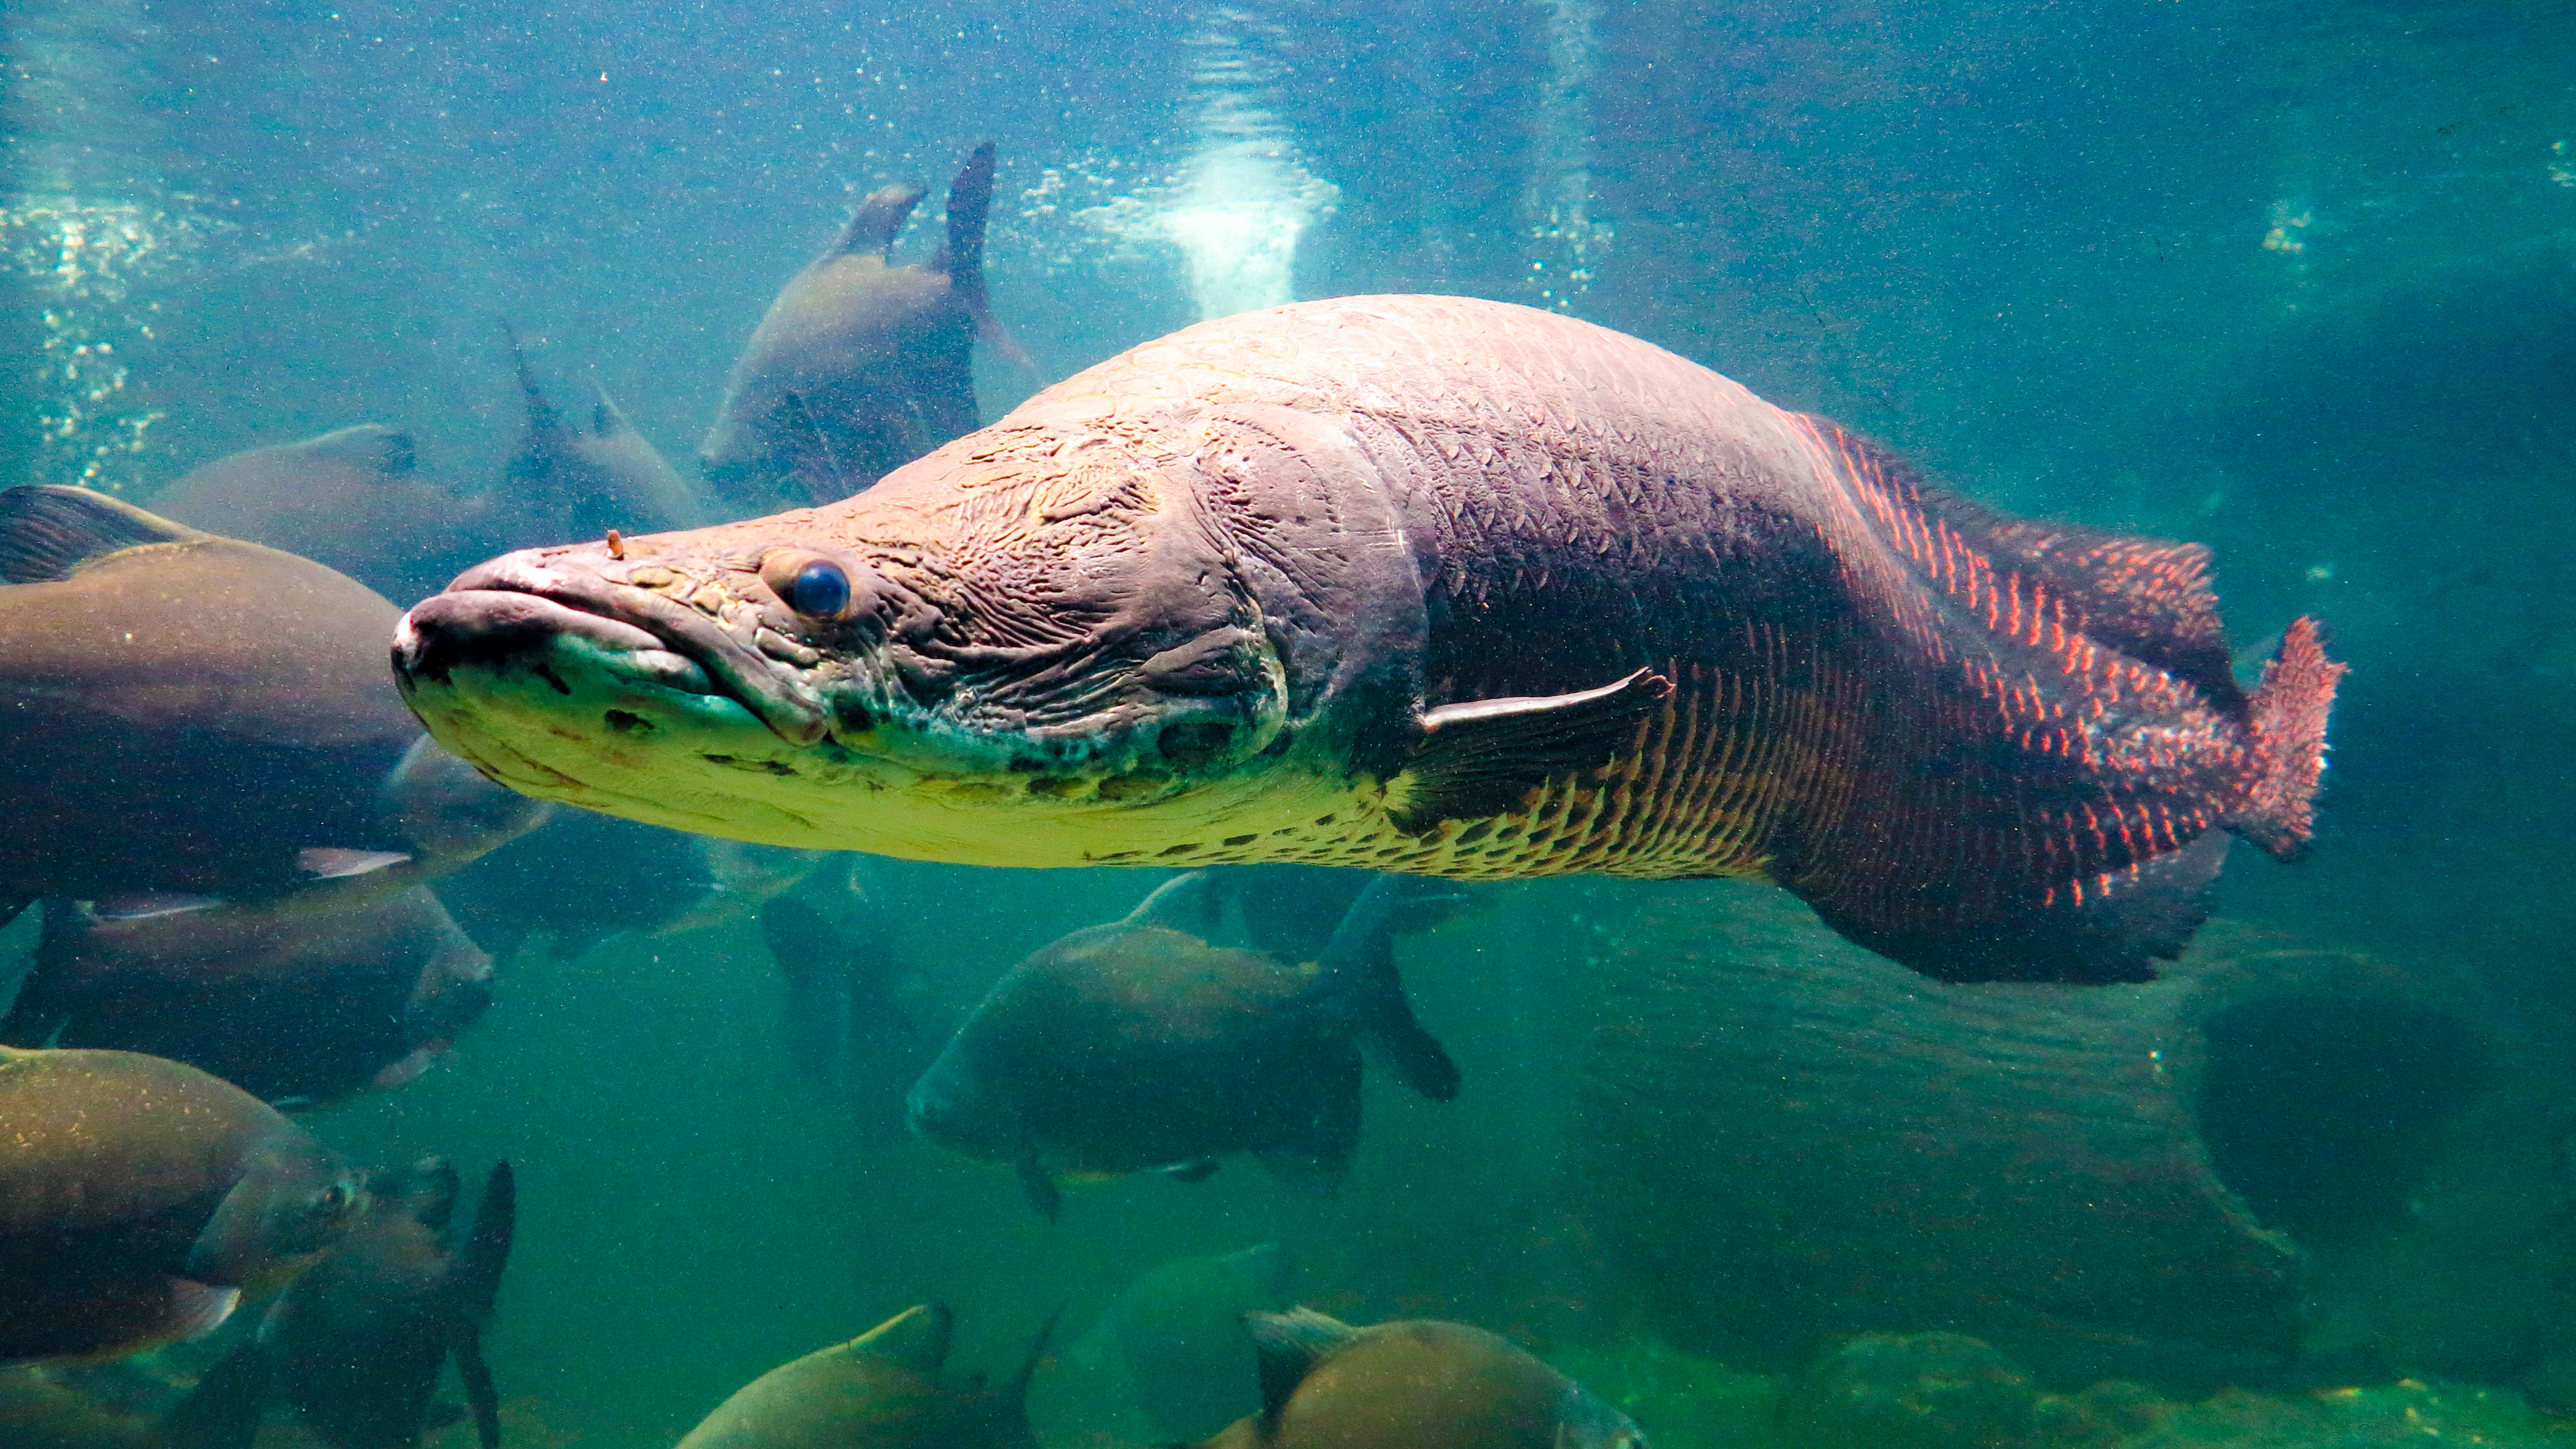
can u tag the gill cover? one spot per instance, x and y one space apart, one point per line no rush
293 1199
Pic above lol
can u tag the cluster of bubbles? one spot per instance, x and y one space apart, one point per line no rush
1556 206
85 265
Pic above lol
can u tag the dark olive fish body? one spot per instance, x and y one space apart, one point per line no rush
187 714
882 1390
859 366
583 474
1432 585
357 1344
352 500
1137 1046
296 1011
140 1199
846 1027
1419 1384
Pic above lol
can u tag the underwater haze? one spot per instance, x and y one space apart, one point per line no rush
2294 282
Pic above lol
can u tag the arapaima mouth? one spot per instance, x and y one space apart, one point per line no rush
508 612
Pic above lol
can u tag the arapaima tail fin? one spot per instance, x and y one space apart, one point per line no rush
2290 708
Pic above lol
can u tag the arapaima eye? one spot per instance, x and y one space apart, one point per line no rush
819 591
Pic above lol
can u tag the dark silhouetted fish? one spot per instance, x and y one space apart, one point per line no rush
352 500
141 1200
1138 1047
586 877
298 1011
584 475
1432 585
1170 1349
846 1029
1419 1384
881 1390
357 1344
859 366
186 718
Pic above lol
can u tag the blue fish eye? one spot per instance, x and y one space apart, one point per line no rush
819 591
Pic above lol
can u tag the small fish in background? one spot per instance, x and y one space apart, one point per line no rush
743 878
1168 1361
356 1346
141 1200
847 1031
189 721
1416 1384
859 366
297 1012
353 500
77 1406
881 1390
1138 1047
586 877
579 476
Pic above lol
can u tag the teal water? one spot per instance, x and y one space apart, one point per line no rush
2296 282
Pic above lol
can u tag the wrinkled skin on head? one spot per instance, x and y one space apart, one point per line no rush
1123 647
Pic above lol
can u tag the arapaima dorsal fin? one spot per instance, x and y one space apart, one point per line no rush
2148 598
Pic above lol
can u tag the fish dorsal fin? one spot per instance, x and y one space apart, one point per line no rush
970 203
872 227
369 447
425 1192
1289 1345
1189 903
1270 1268
607 419
1484 757
917 1339
1361 959
48 530
2148 598
1015 1393
542 417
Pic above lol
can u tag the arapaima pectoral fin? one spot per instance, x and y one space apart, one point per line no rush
1486 756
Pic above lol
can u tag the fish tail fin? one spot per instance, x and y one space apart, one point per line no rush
1015 1393
224 1409
970 203
2289 708
477 1285
542 417
1362 956
482 1396
607 419
486 1249
873 226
